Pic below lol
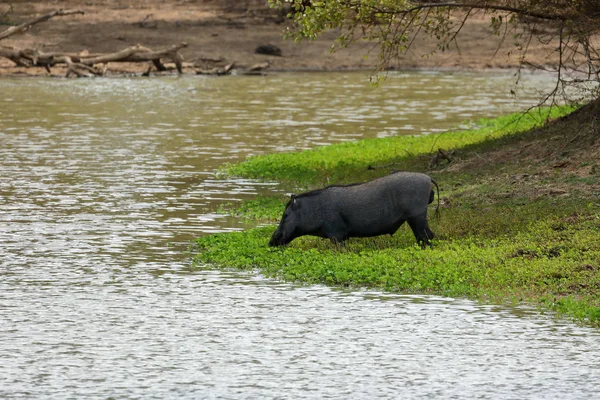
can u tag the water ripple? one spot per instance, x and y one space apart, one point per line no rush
103 185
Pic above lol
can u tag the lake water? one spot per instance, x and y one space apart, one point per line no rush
104 183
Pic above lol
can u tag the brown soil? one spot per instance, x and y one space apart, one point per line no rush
558 159
230 31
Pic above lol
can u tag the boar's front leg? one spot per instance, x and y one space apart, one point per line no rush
336 231
338 237
420 228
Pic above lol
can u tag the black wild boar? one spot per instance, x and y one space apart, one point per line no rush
373 208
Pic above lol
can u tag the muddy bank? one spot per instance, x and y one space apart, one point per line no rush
223 32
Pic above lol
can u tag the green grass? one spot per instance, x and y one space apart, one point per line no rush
500 238
265 209
362 160
501 253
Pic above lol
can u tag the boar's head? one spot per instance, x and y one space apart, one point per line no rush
288 226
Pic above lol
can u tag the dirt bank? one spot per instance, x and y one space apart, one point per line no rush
227 31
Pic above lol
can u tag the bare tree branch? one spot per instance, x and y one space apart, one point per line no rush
23 27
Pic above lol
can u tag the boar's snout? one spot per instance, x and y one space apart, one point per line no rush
276 240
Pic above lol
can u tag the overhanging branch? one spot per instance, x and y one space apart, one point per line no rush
471 6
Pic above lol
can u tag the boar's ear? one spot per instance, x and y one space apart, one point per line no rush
293 200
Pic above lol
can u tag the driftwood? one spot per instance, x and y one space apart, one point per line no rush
256 69
82 64
77 69
15 55
226 70
23 27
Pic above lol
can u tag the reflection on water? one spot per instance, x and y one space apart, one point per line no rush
128 334
103 183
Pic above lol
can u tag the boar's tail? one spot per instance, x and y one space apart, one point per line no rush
437 209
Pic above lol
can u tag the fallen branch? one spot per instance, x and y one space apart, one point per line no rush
78 69
25 26
105 58
31 57
154 56
226 70
17 56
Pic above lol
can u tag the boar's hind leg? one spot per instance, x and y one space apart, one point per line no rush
421 230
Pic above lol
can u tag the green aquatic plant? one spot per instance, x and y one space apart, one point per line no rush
526 253
365 159
510 230
264 209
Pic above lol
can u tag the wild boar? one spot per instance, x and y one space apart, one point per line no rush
373 208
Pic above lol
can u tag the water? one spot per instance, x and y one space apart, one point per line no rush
104 183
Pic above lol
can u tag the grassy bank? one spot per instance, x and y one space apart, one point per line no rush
370 158
520 215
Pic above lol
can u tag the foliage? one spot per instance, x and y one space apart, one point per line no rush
394 25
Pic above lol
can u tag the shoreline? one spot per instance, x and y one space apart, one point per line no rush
40 72
528 235
218 34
